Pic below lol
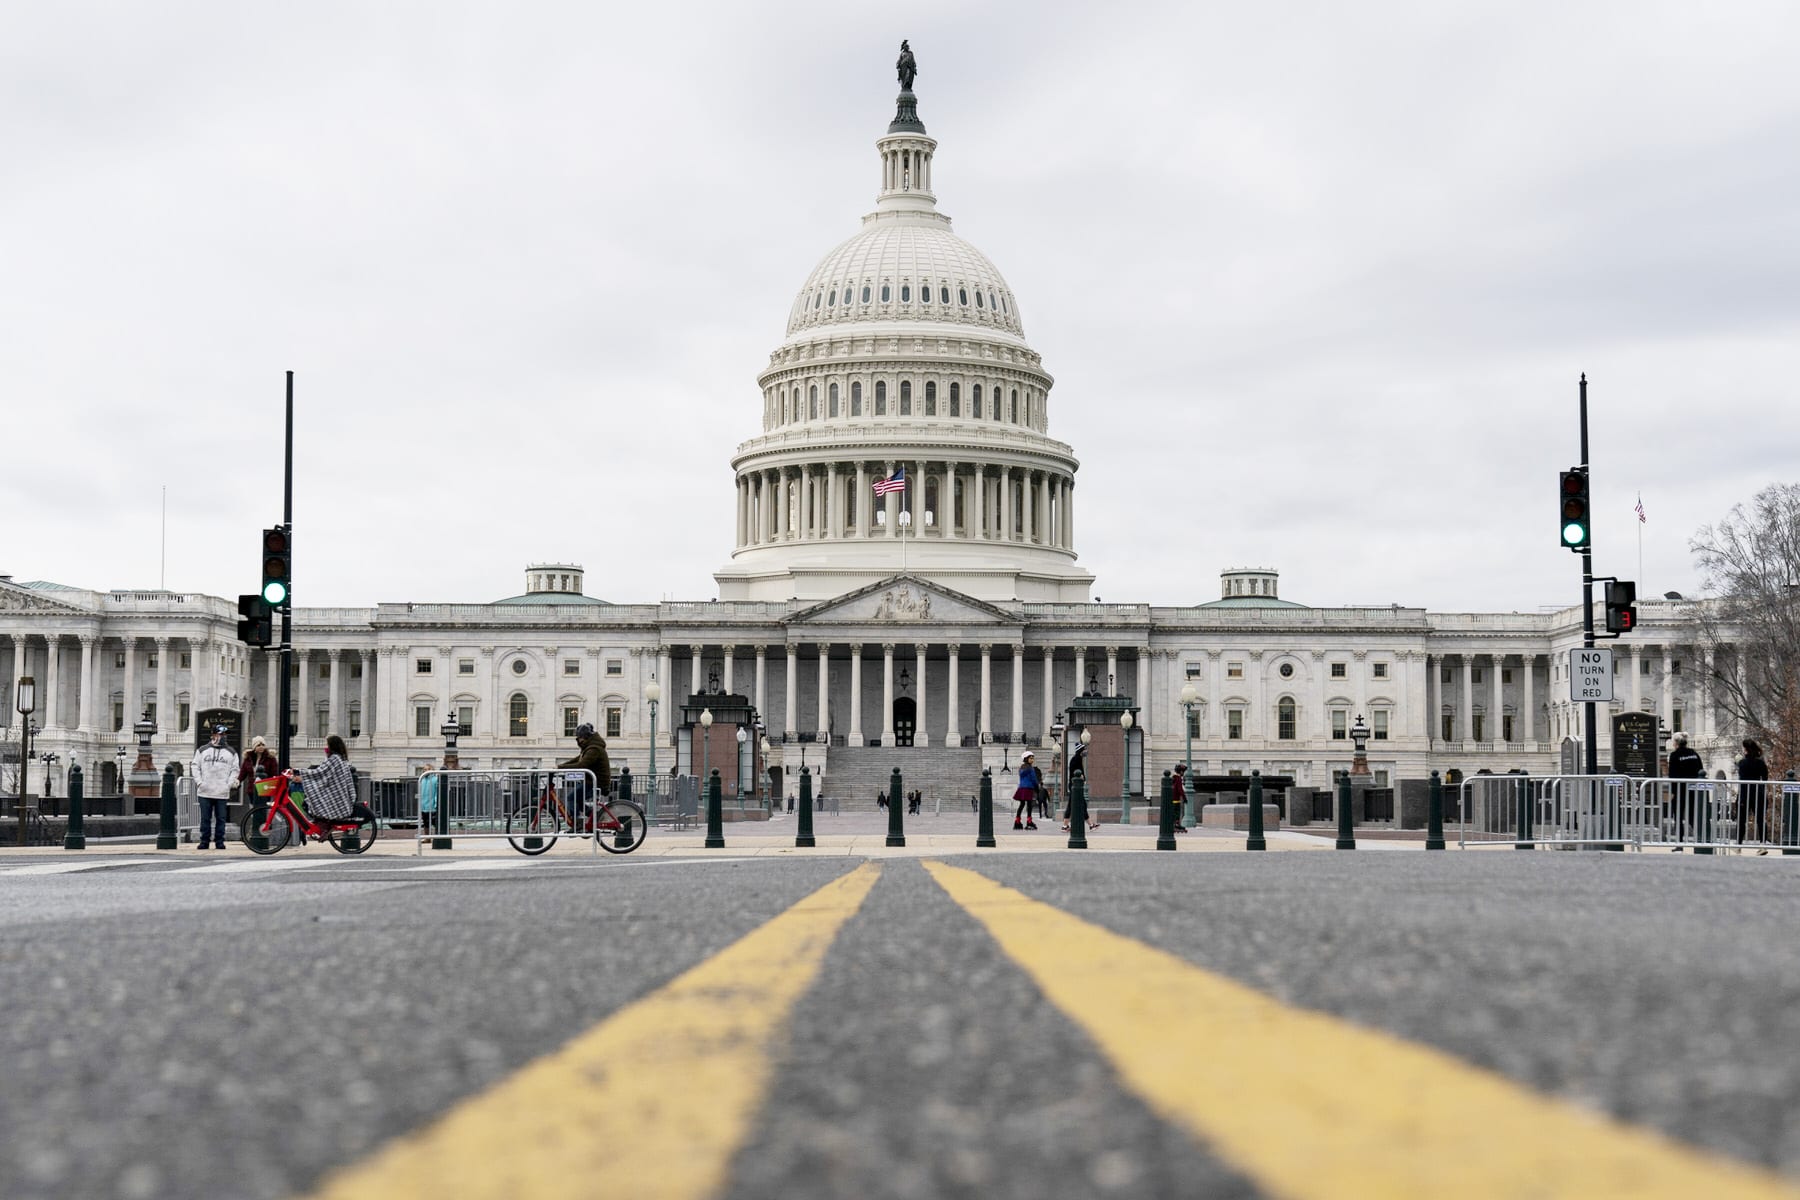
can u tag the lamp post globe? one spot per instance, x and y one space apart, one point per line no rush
743 739
1125 723
652 694
706 720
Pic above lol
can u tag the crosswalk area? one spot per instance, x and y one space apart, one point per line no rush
227 867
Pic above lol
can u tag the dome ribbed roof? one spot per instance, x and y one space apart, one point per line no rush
903 256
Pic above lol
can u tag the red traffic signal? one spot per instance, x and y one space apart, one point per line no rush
1621 610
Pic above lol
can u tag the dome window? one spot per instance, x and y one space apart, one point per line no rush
832 399
856 399
906 293
818 299
1015 406
930 399
906 397
881 397
956 399
975 401
925 294
865 293
962 295
944 295
887 293
832 302
812 403
978 303
1003 307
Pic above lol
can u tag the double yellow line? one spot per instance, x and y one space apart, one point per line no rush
655 1100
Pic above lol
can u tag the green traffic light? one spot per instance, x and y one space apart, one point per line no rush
275 592
1574 534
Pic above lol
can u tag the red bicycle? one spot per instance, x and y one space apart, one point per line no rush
279 819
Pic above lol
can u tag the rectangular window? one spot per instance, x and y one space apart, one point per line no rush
1449 727
571 666
1506 728
153 660
465 666
421 666
422 720
1193 724
1339 670
1505 674
118 715
571 718
324 670
186 712
1678 718
465 720
1674 666
356 720
1234 723
1381 670
119 661
615 666
1284 723
615 721
1381 778
1192 670
1475 677
1234 670
356 669
1478 724
187 661
293 670
322 723
1643 666
1380 730
1340 724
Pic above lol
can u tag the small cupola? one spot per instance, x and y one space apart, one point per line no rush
553 577
1259 582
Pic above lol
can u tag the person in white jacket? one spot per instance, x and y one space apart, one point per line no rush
214 770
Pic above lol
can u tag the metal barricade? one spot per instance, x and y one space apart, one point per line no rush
187 807
1556 811
1717 814
497 805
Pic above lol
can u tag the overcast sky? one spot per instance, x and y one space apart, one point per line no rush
1316 282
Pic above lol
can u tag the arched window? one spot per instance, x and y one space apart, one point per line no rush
1015 406
956 399
831 301
925 293
887 293
978 303
999 404
865 293
962 294
906 397
906 293
832 398
930 399
781 407
992 303
1003 305
818 299
1284 719
881 397
516 710
812 402
975 401
856 399
944 295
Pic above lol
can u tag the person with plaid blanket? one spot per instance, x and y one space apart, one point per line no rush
331 786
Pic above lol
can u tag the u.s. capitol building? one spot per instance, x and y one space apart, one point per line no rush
948 623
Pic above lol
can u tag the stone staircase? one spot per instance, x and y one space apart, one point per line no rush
854 774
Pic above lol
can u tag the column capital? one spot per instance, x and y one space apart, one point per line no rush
694 648
887 647
762 650
162 640
446 651
824 649
90 639
336 653
987 648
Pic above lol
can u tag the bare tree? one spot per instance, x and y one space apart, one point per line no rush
1750 566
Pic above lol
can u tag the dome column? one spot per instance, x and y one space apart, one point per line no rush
862 506
978 489
1006 504
834 524
892 509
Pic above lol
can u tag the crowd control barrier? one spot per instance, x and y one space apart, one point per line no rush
1619 811
447 806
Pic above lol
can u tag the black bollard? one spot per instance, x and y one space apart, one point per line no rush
165 835
1346 839
715 816
896 818
1256 840
1434 814
1790 817
1165 822
75 838
625 835
1078 814
984 825
803 833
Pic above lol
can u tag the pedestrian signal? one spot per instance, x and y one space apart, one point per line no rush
1576 533
256 624
1621 610
277 572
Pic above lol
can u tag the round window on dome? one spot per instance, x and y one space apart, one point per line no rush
944 295
1287 670
886 293
518 666
906 293
978 303
962 295
865 293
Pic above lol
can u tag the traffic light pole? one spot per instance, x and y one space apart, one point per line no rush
287 607
1590 751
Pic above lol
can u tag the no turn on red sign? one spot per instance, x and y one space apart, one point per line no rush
1591 674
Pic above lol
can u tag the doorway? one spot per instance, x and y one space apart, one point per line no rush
906 715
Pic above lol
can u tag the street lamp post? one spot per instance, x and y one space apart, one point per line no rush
706 720
743 739
27 704
773 798
1190 697
120 756
1359 738
451 728
49 760
652 694
1125 723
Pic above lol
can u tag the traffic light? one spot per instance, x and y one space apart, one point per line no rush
277 576
256 622
1576 532
1621 597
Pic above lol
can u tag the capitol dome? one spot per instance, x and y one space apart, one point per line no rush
905 363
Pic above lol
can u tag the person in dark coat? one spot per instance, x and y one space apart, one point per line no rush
592 758
1753 770
1684 763
1180 795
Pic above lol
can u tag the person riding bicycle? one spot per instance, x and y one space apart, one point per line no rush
331 786
592 758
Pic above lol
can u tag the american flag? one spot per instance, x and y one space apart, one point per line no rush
1640 510
895 484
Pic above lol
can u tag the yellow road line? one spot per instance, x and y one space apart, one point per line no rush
652 1102
1382 1118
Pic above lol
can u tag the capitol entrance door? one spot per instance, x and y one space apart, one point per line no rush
906 713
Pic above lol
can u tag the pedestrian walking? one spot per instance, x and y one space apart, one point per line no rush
1684 763
1753 772
1077 770
1179 797
1030 780
214 771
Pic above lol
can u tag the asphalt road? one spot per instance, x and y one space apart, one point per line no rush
246 1030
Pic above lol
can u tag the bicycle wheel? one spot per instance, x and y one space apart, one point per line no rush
275 837
620 826
354 839
533 830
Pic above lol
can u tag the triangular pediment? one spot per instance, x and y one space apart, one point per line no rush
16 599
902 600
